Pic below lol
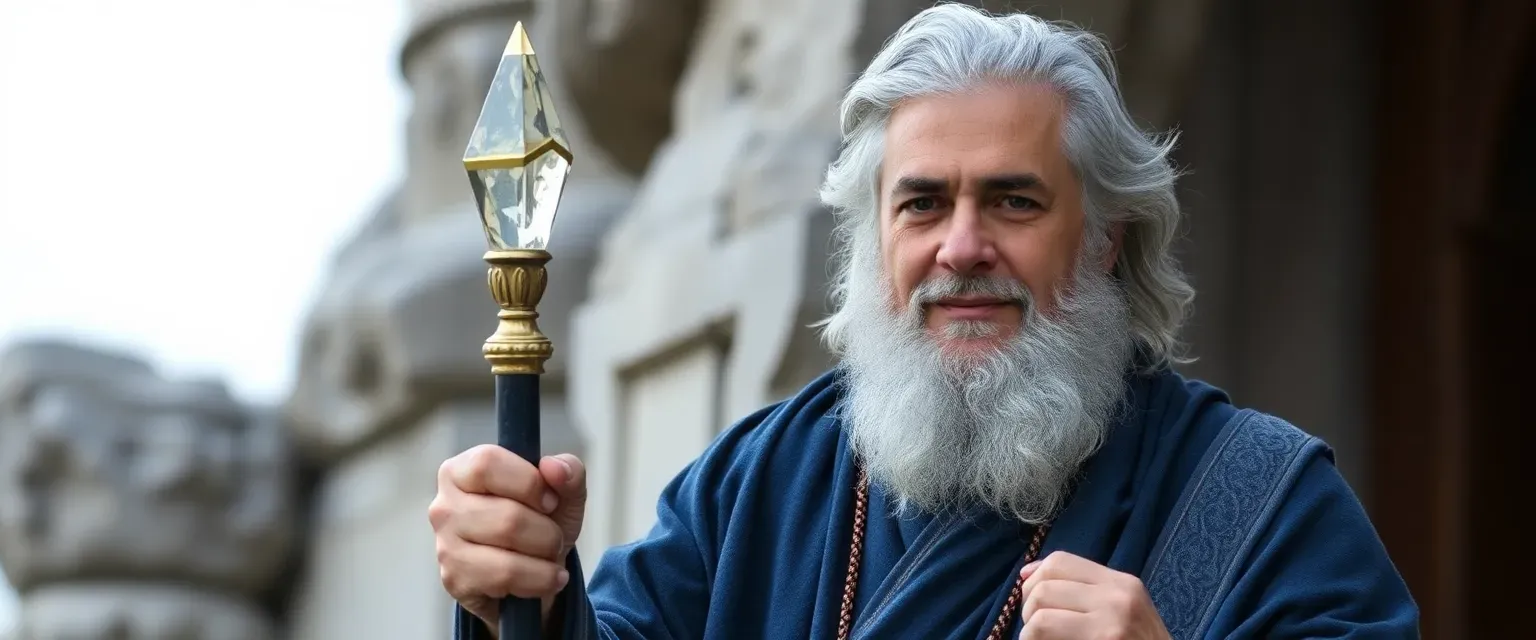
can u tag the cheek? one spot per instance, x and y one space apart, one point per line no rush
906 262
1043 259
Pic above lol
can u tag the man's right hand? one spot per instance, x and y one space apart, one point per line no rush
505 527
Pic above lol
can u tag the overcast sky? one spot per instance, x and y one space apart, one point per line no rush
174 173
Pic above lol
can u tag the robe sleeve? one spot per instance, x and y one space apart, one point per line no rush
659 587
656 587
1319 571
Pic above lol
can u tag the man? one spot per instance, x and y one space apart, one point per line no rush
1005 450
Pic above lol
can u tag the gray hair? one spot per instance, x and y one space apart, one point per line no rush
1127 174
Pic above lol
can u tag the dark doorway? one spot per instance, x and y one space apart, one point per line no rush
1452 319
1501 353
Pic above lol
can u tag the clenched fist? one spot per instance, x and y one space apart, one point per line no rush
504 526
1068 596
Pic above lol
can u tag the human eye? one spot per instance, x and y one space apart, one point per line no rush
922 204
1020 203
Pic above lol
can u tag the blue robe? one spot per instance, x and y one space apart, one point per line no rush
751 539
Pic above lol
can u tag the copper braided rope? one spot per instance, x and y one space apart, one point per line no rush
856 553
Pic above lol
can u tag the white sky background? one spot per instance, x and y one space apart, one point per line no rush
175 173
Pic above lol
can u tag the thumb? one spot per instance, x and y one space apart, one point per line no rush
567 476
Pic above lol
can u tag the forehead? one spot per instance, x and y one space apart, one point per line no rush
1012 128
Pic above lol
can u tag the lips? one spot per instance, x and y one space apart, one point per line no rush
971 302
971 308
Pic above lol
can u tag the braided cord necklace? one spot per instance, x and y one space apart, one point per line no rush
856 553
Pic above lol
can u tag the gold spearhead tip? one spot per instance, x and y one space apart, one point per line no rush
518 44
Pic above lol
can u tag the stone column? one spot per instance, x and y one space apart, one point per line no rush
700 303
391 380
135 507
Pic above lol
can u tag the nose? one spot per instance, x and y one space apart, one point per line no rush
968 246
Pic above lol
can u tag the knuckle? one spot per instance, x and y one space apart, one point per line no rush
502 580
528 484
1041 624
1133 584
1124 601
1047 619
479 460
511 581
453 583
1046 590
439 512
525 533
514 525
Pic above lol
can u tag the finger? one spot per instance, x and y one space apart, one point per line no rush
506 524
565 474
476 571
492 470
1058 594
1057 624
1061 565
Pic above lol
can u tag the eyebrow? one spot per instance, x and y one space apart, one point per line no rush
918 184
907 185
1012 182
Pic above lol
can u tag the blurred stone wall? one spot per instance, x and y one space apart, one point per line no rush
135 507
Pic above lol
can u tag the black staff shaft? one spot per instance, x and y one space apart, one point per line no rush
517 429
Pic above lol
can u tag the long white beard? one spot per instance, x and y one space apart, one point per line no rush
1008 429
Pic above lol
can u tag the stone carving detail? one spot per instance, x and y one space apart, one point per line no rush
754 126
624 61
396 330
162 507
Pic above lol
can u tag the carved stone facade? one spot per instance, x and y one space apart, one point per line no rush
136 507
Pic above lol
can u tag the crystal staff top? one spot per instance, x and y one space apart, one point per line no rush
518 156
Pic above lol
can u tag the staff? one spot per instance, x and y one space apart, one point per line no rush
517 160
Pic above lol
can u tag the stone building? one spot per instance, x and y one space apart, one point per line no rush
132 506
1354 200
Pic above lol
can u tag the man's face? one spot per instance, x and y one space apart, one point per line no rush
976 374
976 185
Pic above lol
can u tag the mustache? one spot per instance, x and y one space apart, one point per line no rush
938 288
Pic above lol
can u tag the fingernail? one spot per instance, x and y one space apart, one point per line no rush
550 501
1029 568
566 467
564 577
